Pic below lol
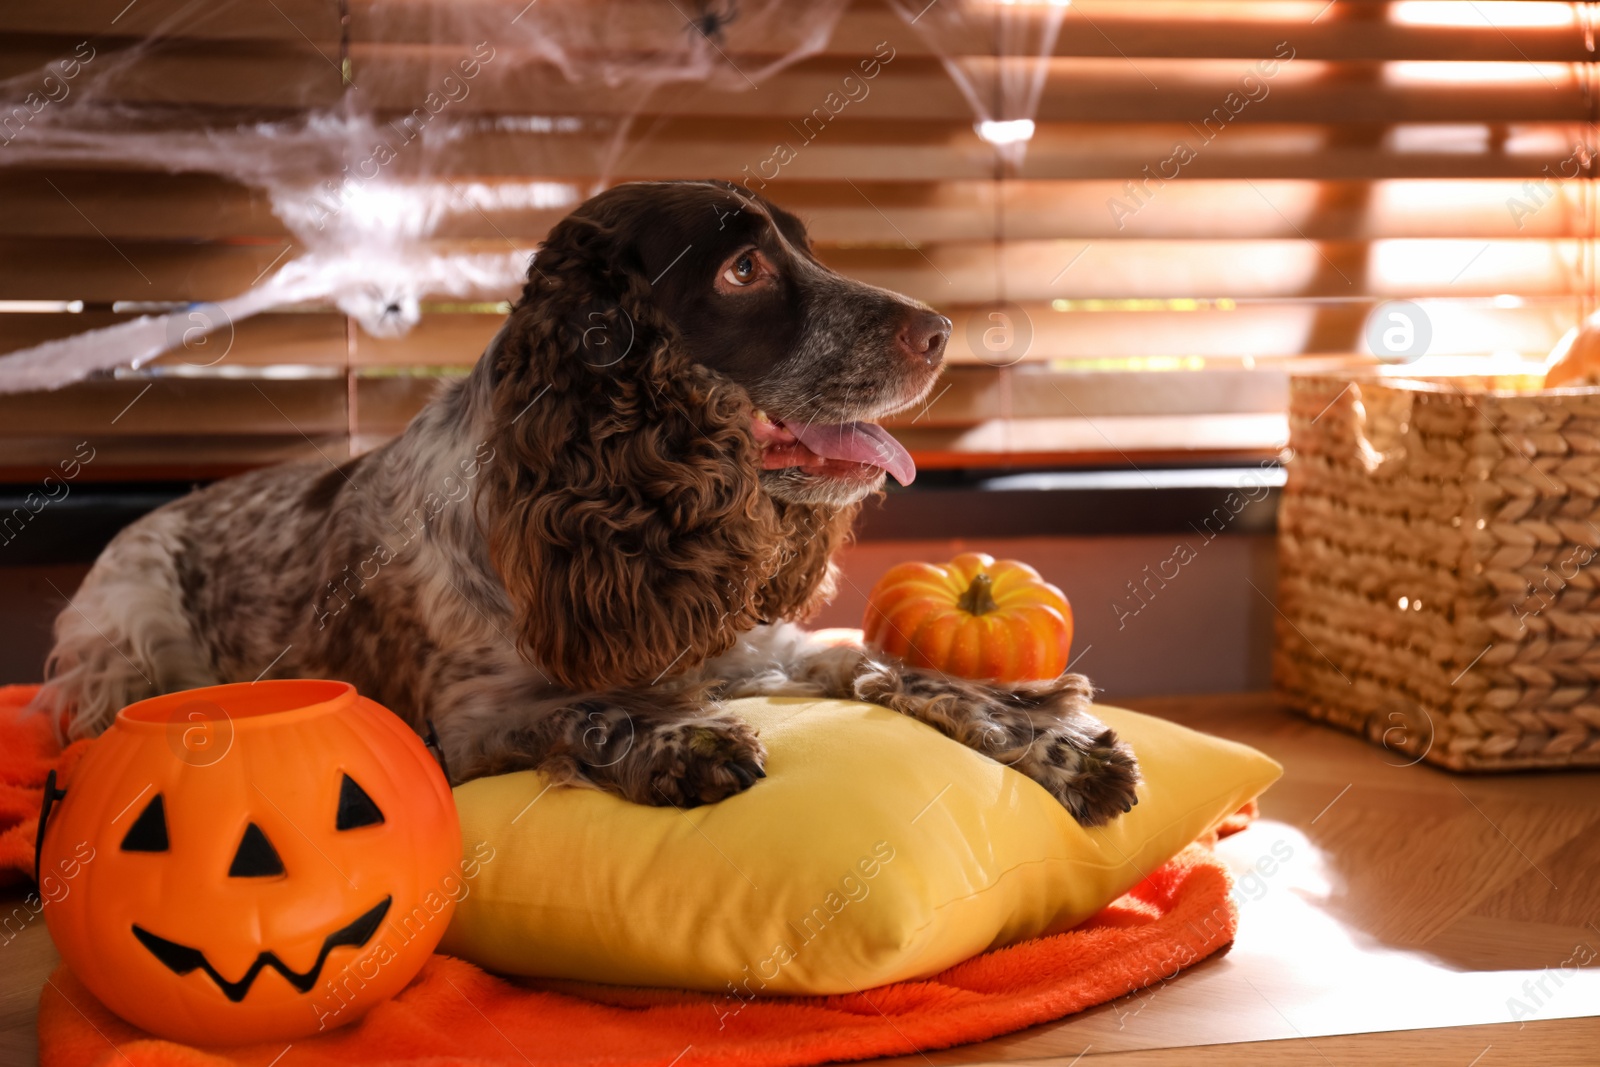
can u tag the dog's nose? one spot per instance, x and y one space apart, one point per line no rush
923 336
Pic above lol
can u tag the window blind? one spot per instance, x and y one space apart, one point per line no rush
1212 196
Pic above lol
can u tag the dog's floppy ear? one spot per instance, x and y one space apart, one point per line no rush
623 507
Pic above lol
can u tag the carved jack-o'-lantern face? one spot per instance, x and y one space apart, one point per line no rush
267 861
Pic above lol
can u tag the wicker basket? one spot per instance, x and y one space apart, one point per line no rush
1439 556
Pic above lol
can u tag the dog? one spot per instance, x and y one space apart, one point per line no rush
575 554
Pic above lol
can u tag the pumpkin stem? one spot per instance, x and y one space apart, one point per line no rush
979 597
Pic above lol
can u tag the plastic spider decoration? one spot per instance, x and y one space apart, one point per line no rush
711 19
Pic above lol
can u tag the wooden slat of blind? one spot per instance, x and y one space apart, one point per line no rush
1353 29
1275 208
282 20
952 273
401 77
1110 440
113 409
1039 270
179 455
441 339
977 395
950 151
196 207
100 271
137 205
255 74
307 338
1260 331
1082 90
173 428
946 151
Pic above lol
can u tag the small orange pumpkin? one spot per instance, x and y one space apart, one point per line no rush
251 862
973 617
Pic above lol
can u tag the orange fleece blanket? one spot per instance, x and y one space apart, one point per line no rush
455 1015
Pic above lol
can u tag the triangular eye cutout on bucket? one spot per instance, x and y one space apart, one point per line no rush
355 807
255 857
149 831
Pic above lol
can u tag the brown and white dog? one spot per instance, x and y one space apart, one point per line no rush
570 557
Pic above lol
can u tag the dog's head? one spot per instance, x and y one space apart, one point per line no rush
685 400
821 356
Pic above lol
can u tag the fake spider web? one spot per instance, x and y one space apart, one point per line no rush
362 179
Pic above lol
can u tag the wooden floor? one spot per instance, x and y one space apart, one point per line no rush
1396 914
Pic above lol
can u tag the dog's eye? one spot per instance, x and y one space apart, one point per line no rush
742 271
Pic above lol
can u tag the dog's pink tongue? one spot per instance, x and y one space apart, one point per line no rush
858 442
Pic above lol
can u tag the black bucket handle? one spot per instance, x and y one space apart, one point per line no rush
432 741
52 795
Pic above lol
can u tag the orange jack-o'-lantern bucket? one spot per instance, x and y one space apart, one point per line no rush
251 862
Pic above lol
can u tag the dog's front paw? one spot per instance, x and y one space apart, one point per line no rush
1084 766
688 764
1040 729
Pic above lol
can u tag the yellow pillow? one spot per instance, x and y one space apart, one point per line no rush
875 850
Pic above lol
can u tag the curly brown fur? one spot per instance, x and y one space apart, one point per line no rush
571 556
627 517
